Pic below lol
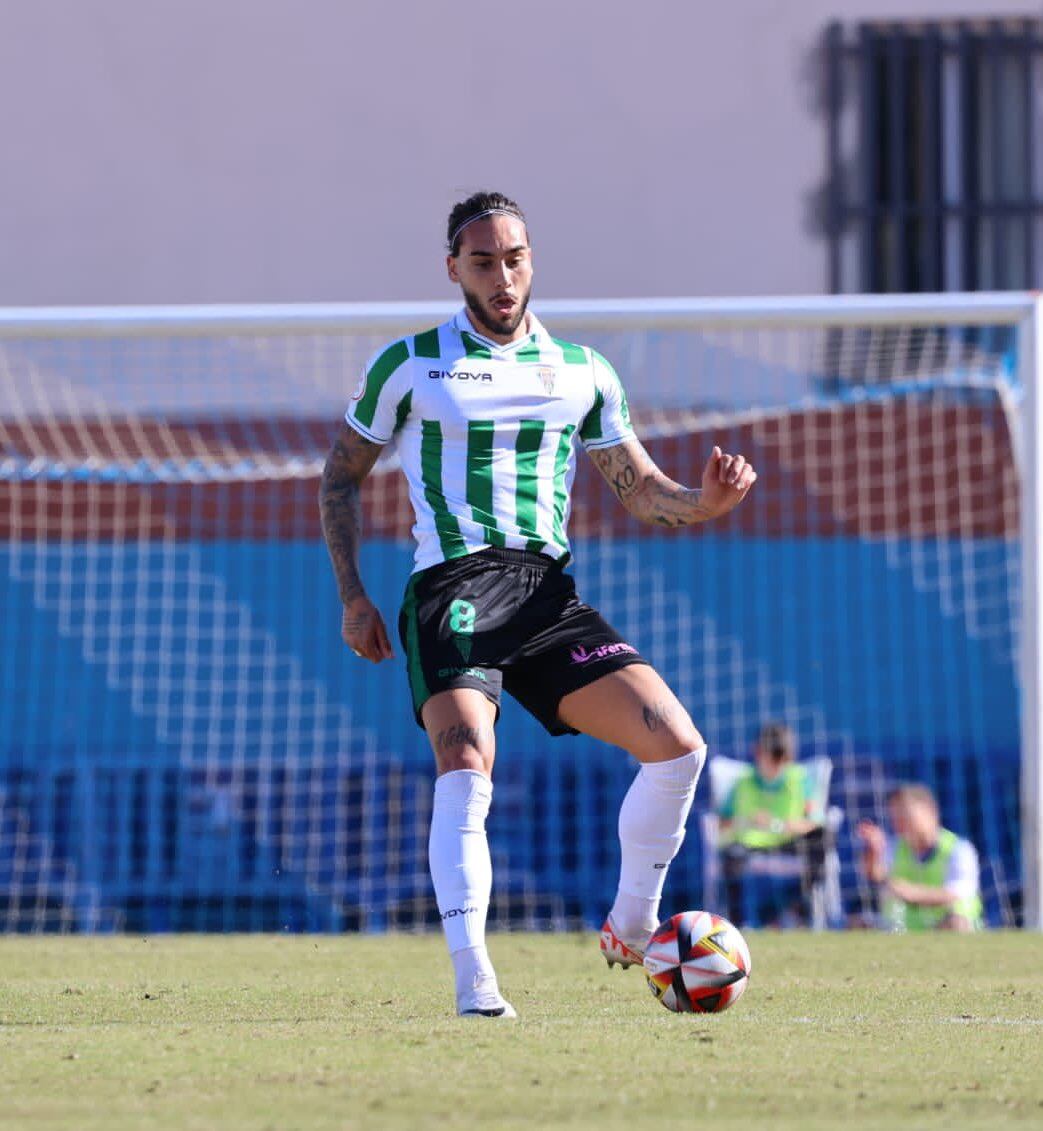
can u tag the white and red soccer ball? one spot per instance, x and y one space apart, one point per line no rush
697 962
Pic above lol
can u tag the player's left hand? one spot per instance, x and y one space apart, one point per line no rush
362 629
727 480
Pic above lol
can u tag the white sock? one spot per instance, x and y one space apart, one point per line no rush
651 831
461 869
469 965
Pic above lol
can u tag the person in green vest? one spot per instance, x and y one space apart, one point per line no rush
927 875
771 809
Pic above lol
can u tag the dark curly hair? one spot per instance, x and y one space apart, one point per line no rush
475 205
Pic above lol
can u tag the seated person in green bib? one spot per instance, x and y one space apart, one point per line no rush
927 876
770 810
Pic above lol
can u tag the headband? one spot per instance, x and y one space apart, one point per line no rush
481 216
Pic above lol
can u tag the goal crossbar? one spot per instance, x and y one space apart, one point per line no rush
986 308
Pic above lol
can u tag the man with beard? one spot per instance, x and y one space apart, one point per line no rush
486 409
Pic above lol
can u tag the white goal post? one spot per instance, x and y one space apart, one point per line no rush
1022 313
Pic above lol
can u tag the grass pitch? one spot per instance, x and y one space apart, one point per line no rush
325 1032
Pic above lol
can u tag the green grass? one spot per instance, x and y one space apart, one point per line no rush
851 1031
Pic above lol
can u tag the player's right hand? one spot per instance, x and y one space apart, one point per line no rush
362 629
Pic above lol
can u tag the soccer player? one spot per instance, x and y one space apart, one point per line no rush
487 410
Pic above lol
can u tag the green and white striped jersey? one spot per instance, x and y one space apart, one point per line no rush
486 433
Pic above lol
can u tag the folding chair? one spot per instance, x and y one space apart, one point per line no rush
825 902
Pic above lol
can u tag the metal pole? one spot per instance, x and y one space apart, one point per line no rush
1031 365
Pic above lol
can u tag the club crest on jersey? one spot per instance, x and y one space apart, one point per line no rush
546 375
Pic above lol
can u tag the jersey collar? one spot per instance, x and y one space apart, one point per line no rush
772 786
537 333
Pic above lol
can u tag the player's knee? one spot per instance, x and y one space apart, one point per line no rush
683 744
671 735
465 759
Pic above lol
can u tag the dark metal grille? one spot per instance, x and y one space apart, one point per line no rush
935 180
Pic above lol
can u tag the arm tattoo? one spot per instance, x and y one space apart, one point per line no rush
656 715
644 490
355 624
624 480
348 463
616 465
670 504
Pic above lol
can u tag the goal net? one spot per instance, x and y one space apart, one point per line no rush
186 744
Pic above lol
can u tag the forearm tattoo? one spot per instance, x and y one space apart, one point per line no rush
348 463
644 490
354 624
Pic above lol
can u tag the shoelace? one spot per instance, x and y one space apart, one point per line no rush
486 991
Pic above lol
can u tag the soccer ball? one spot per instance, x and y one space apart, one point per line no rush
697 962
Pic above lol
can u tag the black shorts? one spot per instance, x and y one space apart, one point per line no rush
503 618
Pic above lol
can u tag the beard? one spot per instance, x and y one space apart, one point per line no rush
492 322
